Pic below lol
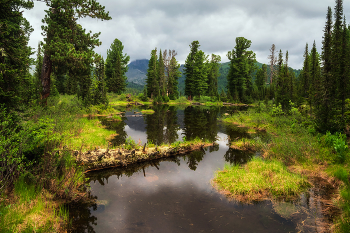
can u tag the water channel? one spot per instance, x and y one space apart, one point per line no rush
175 195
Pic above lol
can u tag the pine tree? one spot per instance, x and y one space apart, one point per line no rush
323 98
343 81
100 91
67 45
242 65
152 76
116 67
161 75
190 69
14 52
305 76
173 76
261 77
213 75
314 74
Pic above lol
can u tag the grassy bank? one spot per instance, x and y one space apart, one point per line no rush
38 173
292 141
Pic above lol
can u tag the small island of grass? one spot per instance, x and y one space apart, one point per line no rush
259 179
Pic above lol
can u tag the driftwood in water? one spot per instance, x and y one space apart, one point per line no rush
102 158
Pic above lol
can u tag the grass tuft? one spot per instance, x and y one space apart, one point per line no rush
260 179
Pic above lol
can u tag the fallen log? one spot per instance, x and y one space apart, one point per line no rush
99 159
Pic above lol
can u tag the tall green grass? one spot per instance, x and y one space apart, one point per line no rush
260 176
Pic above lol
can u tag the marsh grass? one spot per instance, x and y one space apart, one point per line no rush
248 144
259 179
33 209
148 111
92 135
294 141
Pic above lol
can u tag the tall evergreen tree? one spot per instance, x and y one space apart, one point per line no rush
161 75
116 67
173 76
200 74
67 45
213 75
305 75
323 98
314 74
261 77
242 65
14 52
152 76
189 69
343 80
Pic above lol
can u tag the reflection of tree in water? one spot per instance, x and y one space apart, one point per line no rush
201 122
164 116
194 158
81 218
235 133
118 127
171 125
236 157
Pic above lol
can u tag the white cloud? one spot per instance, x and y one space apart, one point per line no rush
144 25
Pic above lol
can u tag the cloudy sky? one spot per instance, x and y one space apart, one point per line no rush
145 24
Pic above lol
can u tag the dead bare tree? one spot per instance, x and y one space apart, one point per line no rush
272 58
167 56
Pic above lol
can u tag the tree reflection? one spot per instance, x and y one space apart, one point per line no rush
81 218
201 123
118 127
236 157
162 126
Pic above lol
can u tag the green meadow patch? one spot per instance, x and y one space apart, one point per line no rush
260 179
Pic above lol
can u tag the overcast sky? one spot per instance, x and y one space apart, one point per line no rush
145 24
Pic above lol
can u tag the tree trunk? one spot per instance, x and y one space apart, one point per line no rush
45 78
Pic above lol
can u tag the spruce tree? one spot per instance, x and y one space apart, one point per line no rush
67 45
213 75
261 77
314 74
14 52
173 76
305 76
116 67
161 75
242 65
189 70
323 98
152 76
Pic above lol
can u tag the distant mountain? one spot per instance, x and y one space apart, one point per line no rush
138 70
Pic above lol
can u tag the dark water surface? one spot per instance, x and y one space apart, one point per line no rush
175 194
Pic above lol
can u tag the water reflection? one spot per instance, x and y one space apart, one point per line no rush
175 194
201 123
162 126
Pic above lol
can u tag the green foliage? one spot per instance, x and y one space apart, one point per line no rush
69 49
277 110
152 76
130 143
15 80
338 142
116 67
196 72
242 65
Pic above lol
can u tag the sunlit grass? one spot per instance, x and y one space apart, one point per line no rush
32 210
148 111
259 177
92 135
